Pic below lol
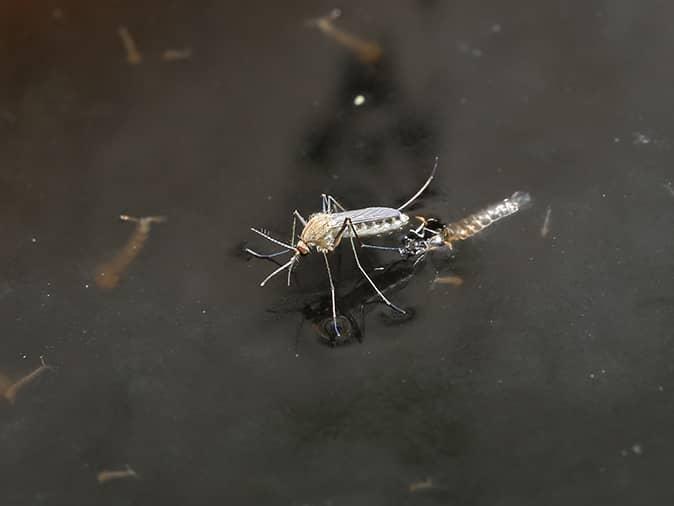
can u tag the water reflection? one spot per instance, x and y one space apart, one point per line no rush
369 120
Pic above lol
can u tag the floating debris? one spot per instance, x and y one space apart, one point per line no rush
366 51
11 392
133 56
545 229
118 474
170 55
419 486
109 274
640 138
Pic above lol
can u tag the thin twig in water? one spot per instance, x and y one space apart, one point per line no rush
119 474
367 52
545 229
109 274
133 56
12 391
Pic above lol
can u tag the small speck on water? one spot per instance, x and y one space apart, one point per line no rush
640 138
637 449
592 376
496 28
358 100
476 52
34 240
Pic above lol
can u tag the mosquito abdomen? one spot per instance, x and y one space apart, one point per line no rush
476 222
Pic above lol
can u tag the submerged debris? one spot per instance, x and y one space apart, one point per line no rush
668 186
133 56
419 486
171 55
366 51
545 229
118 474
109 274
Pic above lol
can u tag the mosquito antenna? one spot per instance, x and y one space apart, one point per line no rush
275 241
283 267
421 190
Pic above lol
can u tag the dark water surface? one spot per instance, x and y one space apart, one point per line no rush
546 378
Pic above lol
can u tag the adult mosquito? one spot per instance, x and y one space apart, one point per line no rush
324 231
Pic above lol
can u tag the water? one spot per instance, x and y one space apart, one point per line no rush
531 382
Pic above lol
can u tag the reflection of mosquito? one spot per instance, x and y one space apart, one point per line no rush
325 230
433 234
353 304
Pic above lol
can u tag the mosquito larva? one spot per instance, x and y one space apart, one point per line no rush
452 280
133 56
110 273
12 391
116 474
366 51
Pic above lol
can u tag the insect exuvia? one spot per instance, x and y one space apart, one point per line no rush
324 231
432 234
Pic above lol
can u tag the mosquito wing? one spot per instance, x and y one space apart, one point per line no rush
368 215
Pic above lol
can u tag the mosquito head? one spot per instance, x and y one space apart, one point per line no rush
302 248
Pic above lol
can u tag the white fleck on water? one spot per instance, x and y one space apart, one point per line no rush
641 138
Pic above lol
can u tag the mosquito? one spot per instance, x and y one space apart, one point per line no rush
323 232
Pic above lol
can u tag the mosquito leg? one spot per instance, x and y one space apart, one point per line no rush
296 214
332 294
353 237
292 240
383 248
265 257
332 201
